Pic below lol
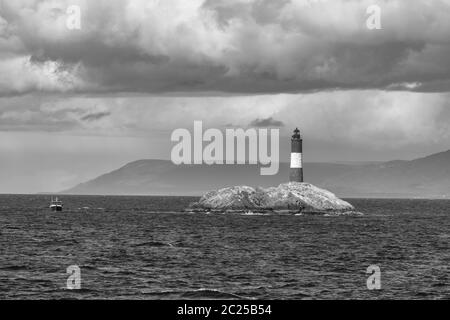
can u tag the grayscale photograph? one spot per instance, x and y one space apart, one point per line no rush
252 151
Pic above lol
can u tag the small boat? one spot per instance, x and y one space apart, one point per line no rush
56 205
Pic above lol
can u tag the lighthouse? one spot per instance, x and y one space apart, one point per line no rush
296 171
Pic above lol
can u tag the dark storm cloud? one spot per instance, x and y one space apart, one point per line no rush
31 113
233 46
264 123
95 116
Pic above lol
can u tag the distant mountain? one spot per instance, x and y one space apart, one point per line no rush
427 177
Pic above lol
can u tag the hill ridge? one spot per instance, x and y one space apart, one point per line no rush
426 177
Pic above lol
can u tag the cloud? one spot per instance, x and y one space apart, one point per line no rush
368 118
405 85
233 46
269 122
22 75
52 114
95 116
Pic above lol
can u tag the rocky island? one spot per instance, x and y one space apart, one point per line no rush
294 197
289 198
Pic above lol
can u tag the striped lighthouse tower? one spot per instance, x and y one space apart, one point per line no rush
296 173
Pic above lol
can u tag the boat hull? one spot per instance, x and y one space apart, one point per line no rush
56 208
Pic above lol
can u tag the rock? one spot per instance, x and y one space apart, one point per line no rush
290 197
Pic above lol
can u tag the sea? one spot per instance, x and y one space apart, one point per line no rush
148 248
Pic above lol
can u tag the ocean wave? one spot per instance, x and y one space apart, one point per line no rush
210 294
347 213
250 213
153 244
14 267
197 294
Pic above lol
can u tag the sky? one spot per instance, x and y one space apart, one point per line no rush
76 102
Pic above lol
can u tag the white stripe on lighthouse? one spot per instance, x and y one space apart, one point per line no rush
296 160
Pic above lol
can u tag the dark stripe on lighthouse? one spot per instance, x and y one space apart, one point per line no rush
296 169
296 146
